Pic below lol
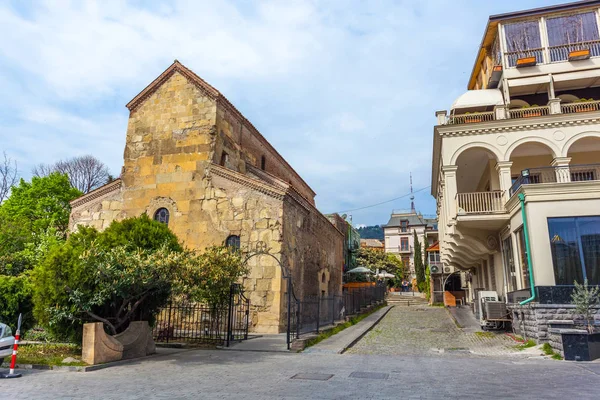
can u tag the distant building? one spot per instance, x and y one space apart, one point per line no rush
351 239
399 235
374 244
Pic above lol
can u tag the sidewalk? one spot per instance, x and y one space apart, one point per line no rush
267 343
338 343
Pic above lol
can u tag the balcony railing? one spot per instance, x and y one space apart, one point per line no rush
480 202
561 53
529 112
399 249
582 106
471 118
513 56
571 173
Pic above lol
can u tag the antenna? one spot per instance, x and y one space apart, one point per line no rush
412 196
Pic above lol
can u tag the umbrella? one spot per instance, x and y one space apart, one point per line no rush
385 274
359 270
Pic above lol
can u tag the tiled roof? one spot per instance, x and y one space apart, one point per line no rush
371 242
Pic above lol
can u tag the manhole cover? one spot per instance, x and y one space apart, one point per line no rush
313 377
369 375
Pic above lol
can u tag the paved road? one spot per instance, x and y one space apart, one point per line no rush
424 331
214 374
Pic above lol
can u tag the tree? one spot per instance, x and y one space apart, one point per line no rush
584 298
8 176
85 173
15 299
418 257
376 259
42 203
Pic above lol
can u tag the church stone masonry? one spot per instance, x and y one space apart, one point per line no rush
190 151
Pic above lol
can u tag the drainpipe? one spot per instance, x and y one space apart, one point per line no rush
527 250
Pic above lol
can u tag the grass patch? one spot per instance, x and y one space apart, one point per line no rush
547 349
437 305
556 356
48 354
485 334
341 327
526 345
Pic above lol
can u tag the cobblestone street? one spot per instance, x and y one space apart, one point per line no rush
424 330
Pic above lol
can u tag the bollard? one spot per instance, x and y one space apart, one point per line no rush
13 360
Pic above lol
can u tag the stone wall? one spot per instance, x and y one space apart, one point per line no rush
541 322
99 208
312 245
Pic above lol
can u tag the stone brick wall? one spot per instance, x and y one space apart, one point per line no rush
98 208
541 322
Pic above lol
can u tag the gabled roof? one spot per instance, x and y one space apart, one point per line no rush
213 93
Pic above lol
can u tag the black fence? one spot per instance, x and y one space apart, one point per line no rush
312 314
199 323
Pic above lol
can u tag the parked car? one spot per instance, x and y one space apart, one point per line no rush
7 341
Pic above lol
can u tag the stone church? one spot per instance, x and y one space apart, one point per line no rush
194 162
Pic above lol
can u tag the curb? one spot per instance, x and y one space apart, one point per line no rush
453 319
366 331
90 368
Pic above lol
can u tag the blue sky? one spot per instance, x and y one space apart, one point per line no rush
345 90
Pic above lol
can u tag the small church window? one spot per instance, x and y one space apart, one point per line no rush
162 215
233 241
263 163
323 278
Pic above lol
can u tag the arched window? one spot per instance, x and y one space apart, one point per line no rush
162 215
323 278
263 163
233 241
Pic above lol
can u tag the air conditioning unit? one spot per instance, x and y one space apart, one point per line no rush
491 310
434 269
448 270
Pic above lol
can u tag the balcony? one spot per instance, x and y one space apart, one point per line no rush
480 203
580 106
471 118
571 173
399 249
529 112
564 52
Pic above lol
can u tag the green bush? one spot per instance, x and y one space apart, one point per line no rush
15 298
139 233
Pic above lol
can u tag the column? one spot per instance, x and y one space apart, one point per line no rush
504 175
561 168
441 117
449 172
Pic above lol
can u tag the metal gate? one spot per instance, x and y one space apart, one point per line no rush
200 323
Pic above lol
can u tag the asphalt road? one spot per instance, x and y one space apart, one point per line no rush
214 374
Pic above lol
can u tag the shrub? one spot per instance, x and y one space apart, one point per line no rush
139 233
15 298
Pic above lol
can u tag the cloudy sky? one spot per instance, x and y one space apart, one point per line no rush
345 90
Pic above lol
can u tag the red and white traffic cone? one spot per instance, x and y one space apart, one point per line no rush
13 361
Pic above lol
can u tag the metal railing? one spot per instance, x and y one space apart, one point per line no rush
314 313
570 173
471 118
529 112
199 323
513 56
561 52
480 202
580 106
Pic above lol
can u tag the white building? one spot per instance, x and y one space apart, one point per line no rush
516 163
399 236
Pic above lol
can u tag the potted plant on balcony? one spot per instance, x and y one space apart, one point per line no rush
583 344
472 117
584 107
532 113
581 54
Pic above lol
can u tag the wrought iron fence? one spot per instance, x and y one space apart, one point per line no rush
312 314
199 323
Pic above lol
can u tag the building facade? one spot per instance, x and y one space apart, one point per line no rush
351 240
399 238
516 164
193 161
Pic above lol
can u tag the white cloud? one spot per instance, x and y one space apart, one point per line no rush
346 90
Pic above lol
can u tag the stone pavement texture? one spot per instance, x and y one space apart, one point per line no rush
430 331
215 374
272 343
338 343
